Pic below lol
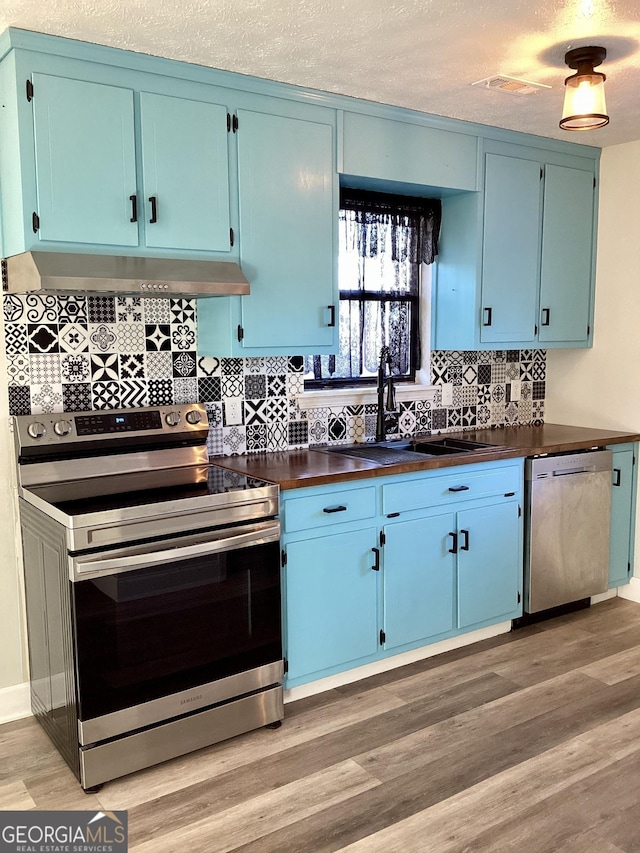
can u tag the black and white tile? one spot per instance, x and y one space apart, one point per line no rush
74 337
129 309
104 366
75 369
41 308
46 397
74 353
72 309
101 309
157 337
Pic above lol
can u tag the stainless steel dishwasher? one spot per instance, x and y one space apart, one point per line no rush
567 528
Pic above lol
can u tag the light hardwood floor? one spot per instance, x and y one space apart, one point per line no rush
529 741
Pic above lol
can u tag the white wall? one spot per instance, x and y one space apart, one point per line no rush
600 387
12 654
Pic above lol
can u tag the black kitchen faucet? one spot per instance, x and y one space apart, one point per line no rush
389 405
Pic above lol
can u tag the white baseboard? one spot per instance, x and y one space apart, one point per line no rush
394 662
14 702
604 596
631 591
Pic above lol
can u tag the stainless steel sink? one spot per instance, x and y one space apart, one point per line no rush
397 452
440 446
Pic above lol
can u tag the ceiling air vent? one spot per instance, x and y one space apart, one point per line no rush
511 85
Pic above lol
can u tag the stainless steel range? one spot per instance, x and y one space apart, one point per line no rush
153 588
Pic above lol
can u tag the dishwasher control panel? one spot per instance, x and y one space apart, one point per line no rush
543 467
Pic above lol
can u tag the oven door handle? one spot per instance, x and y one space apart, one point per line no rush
88 566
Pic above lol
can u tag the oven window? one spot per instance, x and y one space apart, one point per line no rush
152 632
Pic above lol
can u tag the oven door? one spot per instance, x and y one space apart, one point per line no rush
165 629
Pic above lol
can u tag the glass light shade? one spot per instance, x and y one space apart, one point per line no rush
584 102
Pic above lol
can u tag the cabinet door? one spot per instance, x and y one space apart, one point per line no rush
489 563
288 222
185 166
511 249
85 161
621 517
331 602
418 579
567 235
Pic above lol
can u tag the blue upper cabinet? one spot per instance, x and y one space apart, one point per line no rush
102 159
88 188
516 262
288 223
104 150
566 265
288 201
408 153
511 256
185 173
85 161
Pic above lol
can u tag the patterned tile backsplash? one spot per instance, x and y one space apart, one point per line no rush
70 353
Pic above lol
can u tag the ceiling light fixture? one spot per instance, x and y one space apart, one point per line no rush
584 103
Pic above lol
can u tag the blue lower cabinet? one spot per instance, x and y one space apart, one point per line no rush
375 568
331 615
419 579
489 564
623 492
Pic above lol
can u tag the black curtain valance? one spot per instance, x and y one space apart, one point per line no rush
427 212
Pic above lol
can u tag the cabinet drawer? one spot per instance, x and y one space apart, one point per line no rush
319 511
459 485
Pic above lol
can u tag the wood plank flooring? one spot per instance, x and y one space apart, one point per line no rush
527 741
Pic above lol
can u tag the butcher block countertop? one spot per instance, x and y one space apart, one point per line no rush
295 469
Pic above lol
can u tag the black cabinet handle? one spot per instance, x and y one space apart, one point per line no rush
488 316
618 474
376 566
134 207
332 311
458 488
465 534
546 317
330 509
153 200
454 543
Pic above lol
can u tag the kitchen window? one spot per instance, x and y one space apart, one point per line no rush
384 242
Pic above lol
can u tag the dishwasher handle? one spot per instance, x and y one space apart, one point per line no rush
582 469
553 465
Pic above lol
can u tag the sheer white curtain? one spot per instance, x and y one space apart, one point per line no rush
383 247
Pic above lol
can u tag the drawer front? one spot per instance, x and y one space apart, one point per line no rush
450 488
318 511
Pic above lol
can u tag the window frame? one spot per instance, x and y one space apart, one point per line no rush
377 202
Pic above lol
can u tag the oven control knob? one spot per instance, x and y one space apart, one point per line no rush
62 428
36 429
193 416
173 418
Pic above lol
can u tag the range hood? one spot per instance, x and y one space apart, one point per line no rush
66 272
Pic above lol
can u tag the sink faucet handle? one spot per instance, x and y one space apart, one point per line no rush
390 405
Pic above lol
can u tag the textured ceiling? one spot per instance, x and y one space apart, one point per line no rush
422 54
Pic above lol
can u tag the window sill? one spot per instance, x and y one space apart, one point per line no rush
363 396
